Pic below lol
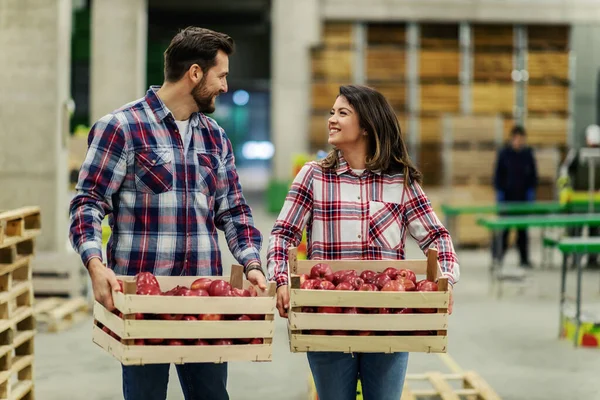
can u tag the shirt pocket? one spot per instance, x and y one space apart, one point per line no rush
385 225
208 166
154 171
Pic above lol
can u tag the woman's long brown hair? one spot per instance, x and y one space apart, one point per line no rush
386 148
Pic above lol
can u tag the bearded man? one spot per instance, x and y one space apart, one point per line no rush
164 174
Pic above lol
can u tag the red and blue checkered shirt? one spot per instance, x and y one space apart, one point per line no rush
164 209
356 217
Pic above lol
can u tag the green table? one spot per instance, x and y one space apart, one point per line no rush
497 224
577 246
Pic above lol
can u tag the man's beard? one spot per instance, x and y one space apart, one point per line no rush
203 98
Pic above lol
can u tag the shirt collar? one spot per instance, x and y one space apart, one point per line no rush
160 109
343 166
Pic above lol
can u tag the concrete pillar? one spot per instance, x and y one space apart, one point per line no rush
35 43
295 28
118 59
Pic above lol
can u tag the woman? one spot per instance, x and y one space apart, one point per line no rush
357 203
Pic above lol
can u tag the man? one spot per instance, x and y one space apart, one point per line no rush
515 180
164 173
574 173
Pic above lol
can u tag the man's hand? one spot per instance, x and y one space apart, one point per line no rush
283 300
104 282
257 278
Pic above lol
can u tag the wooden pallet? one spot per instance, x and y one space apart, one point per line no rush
386 33
438 98
493 36
385 63
19 224
59 314
60 283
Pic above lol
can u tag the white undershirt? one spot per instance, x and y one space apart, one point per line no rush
186 134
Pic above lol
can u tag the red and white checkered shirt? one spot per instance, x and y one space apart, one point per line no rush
356 217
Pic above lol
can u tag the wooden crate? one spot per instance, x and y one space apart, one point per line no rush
496 98
337 34
543 130
431 130
548 65
547 99
487 36
58 314
386 33
385 64
489 65
332 64
472 165
474 130
439 64
437 98
395 93
439 35
324 95
308 331
548 37
128 328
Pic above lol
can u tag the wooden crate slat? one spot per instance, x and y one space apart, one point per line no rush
337 34
324 95
382 322
548 65
140 355
493 36
332 64
546 37
431 130
395 93
547 98
493 98
440 98
439 64
492 65
368 344
474 129
342 298
542 130
385 63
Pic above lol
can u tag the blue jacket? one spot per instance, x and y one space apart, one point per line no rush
515 175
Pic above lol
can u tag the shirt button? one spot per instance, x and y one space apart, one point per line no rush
358 197
359 236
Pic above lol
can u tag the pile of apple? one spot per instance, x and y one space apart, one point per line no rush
147 285
322 277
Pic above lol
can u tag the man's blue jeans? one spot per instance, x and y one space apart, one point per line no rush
336 375
198 381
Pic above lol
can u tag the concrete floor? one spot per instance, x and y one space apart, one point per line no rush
512 343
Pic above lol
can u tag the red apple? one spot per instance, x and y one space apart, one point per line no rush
139 342
148 290
175 342
201 342
344 286
325 285
219 287
306 309
391 272
355 281
427 286
343 275
408 274
384 311
350 310
252 290
321 271
244 318
393 286
139 316
201 284
235 292
199 293
339 333
408 284
365 333
368 275
368 287
256 341
171 317
210 317
155 341
318 332
329 310
310 284
403 311
304 278
190 318
121 286
257 317
146 278
380 280
223 342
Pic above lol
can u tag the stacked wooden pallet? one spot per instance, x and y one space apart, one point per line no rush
332 65
548 85
18 230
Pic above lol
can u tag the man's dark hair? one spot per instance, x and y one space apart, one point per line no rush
517 130
194 45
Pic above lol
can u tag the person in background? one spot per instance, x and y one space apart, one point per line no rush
165 175
358 203
574 173
515 180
